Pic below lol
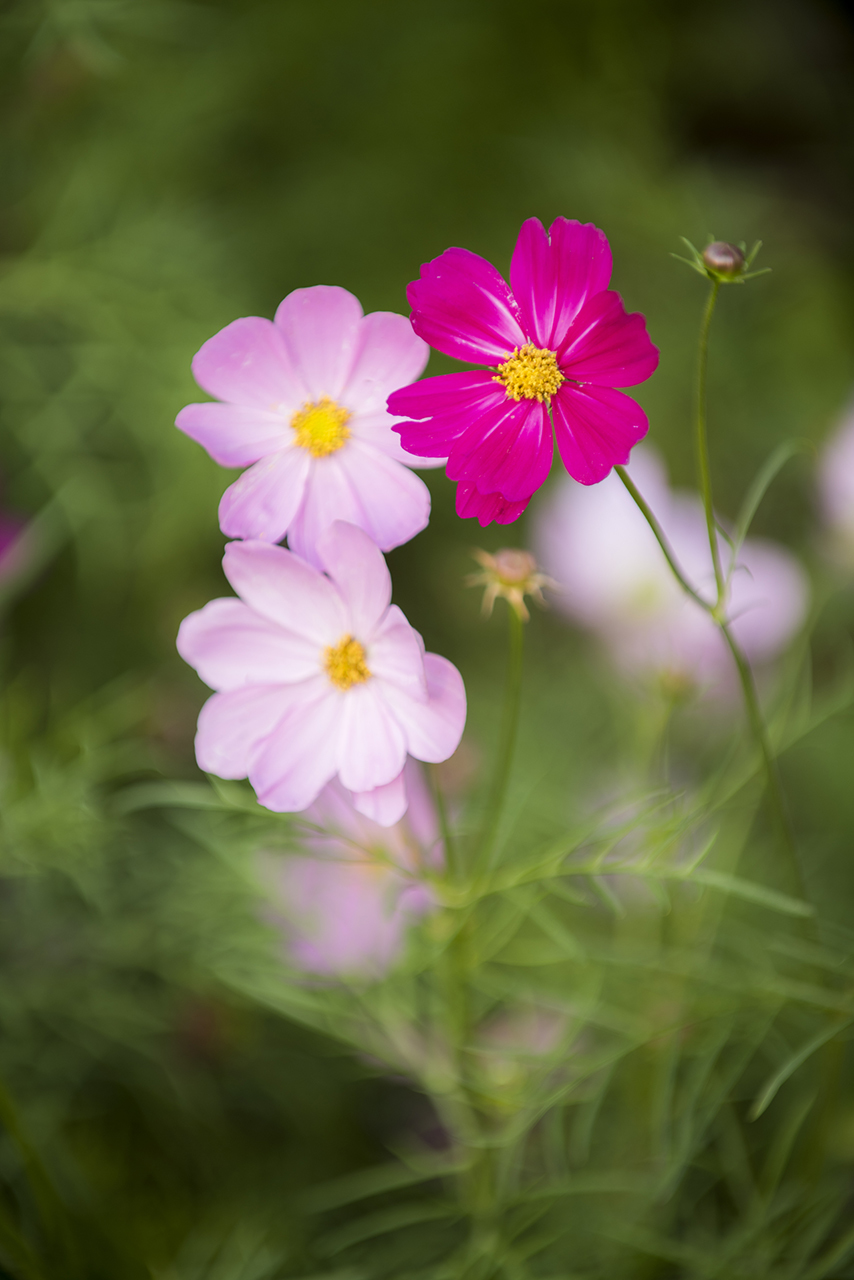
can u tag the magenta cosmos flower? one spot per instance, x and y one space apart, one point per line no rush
303 398
318 676
558 344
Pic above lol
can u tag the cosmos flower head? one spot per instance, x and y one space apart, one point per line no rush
344 906
317 675
614 580
557 345
301 401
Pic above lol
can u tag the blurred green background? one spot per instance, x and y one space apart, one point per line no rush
167 166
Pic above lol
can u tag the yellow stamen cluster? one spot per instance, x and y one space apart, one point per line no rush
345 663
531 373
321 427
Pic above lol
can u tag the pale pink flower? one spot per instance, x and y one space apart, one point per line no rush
346 908
303 399
614 580
318 675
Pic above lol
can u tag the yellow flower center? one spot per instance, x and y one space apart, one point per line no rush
345 663
531 373
321 427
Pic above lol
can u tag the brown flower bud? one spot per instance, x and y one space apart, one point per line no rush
723 259
511 574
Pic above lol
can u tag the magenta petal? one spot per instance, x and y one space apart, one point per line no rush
248 363
372 745
380 430
359 571
282 587
300 755
463 307
596 428
607 346
553 275
388 355
486 507
508 452
230 645
321 328
233 435
433 728
447 405
234 726
263 502
384 805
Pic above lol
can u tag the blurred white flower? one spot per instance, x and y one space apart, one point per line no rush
835 477
614 580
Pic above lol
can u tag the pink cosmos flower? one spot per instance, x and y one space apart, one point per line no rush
615 581
558 343
836 492
346 908
303 398
318 675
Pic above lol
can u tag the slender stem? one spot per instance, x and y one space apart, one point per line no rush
702 439
661 539
776 798
452 866
507 740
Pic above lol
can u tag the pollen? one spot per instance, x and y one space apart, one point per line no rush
321 427
345 663
531 373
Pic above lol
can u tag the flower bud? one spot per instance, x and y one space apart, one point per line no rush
723 259
511 574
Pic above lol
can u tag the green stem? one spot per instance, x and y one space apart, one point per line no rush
774 786
452 866
661 539
507 740
702 440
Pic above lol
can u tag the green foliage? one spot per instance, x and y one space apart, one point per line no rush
623 1047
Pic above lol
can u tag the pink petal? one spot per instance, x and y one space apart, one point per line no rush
247 363
434 728
300 755
396 653
486 507
606 346
358 569
508 452
463 307
596 428
372 744
230 645
395 503
554 275
366 488
384 805
234 436
321 330
380 430
389 355
447 405
263 502
282 587
234 726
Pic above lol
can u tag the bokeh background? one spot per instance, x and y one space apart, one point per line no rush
167 166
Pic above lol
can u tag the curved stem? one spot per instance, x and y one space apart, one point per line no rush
702 439
507 740
646 510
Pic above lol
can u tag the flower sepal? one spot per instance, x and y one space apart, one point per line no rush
721 261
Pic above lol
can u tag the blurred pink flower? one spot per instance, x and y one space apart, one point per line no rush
561 341
345 909
836 490
615 581
303 398
318 675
